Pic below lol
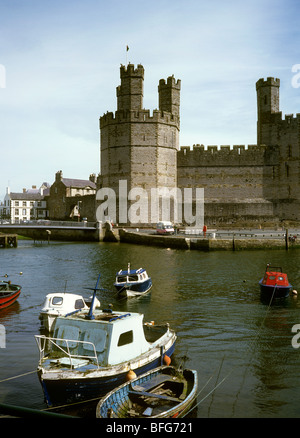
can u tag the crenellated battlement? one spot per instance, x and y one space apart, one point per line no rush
130 71
269 82
171 82
143 116
220 156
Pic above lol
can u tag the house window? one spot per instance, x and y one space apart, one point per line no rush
17 203
17 212
24 204
24 211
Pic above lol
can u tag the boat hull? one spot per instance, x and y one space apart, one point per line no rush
47 321
122 401
7 299
280 291
70 389
134 289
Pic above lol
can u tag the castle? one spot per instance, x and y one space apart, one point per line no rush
253 185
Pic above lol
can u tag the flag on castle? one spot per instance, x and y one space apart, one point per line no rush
127 48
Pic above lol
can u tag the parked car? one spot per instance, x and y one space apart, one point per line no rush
165 227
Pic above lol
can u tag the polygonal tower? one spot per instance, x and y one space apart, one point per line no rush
267 106
138 148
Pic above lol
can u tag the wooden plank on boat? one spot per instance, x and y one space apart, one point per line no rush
153 394
151 383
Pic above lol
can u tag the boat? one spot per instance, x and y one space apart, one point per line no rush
9 293
59 304
92 352
164 392
275 283
132 282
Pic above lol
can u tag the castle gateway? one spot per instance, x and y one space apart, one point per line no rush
149 178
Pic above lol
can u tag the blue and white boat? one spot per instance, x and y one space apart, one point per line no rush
132 282
164 392
92 352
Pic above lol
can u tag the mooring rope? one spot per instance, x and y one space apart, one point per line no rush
16 377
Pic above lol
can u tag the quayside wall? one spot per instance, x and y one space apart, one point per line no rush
206 244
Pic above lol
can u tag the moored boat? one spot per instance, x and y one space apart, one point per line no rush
132 282
164 392
275 283
91 352
59 304
9 293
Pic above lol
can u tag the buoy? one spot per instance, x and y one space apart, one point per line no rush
167 360
130 375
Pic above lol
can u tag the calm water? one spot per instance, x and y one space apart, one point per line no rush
224 330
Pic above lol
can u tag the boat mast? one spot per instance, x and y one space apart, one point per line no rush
90 314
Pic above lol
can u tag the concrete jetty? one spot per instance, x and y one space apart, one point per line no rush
233 243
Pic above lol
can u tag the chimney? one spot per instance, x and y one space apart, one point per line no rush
58 176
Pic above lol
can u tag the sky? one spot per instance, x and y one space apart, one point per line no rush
60 66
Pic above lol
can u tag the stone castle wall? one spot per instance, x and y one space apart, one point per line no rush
258 183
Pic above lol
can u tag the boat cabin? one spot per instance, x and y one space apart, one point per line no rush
273 277
130 276
109 339
62 303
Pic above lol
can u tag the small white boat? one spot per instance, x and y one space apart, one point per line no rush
92 352
133 282
60 304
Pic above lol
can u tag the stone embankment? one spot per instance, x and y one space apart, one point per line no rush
230 243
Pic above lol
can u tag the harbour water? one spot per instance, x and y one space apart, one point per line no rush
238 343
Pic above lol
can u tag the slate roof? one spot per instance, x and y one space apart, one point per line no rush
80 183
26 196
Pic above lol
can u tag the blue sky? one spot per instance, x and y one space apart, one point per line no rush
61 61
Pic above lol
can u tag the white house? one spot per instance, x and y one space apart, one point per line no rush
25 206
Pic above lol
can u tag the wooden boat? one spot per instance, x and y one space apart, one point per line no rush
59 304
9 293
133 282
164 392
275 283
91 352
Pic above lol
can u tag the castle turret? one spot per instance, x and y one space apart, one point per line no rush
169 95
267 106
130 92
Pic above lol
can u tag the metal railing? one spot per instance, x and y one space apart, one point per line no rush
53 342
47 223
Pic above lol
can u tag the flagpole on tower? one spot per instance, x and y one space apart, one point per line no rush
127 48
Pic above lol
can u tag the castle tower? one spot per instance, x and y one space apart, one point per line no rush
137 147
267 106
169 95
130 92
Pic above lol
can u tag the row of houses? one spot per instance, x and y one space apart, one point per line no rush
66 199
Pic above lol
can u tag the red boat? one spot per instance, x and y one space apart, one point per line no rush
9 293
275 283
